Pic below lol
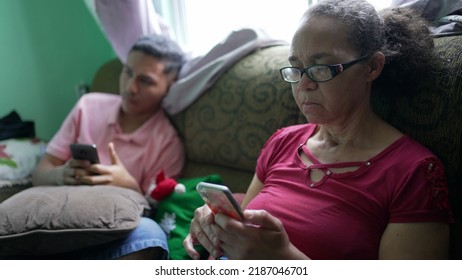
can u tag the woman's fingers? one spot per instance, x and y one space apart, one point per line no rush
202 230
188 244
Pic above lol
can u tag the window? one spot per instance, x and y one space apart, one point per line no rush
208 26
200 24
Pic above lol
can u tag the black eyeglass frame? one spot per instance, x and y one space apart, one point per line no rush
335 69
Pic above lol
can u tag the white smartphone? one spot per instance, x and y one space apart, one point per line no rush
85 152
220 200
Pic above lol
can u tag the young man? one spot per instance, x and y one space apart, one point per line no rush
134 137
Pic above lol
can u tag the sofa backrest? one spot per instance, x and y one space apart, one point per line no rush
226 127
433 117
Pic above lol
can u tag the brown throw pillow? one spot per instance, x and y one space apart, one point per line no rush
51 220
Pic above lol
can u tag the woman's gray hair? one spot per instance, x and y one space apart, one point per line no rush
399 33
365 28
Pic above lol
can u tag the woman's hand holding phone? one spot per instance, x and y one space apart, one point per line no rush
220 200
256 236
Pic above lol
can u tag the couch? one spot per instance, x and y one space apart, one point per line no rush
225 128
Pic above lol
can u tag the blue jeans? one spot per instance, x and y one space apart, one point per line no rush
148 234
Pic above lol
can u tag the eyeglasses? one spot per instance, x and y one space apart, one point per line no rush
317 72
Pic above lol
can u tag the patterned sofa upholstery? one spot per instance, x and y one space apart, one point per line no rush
433 117
226 127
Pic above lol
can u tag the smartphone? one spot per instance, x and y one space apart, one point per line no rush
220 200
85 152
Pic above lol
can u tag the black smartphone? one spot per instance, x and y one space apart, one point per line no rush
85 152
220 200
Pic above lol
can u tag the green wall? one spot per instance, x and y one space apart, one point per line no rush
47 48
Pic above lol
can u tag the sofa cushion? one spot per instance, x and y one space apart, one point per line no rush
236 180
174 214
52 220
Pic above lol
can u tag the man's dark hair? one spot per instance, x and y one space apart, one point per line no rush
162 48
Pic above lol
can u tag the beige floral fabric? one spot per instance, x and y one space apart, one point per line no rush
229 124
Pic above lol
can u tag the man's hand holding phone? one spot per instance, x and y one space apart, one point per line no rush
99 174
83 156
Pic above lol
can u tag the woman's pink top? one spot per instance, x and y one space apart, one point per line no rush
344 215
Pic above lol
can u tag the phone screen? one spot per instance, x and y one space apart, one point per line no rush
85 152
220 200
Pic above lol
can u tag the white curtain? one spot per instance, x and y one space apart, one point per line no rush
124 21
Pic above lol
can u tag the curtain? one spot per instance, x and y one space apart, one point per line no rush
124 21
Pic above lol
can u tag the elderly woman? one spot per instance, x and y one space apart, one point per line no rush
347 185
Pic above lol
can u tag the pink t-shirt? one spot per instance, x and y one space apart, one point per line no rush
344 215
152 147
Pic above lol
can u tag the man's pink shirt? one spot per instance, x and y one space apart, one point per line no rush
152 147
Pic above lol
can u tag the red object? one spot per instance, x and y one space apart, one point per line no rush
164 187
